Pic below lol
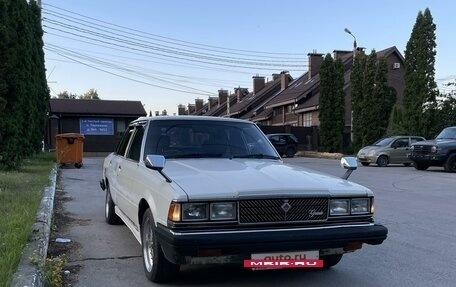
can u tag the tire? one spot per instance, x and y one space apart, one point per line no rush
331 260
365 163
158 269
382 161
420 166
407 164
290 152
78 164
450 164
110 214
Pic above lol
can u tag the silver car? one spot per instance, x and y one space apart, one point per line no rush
390 150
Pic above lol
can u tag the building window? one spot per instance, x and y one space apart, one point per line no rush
120 126
307 119
277 111
289 109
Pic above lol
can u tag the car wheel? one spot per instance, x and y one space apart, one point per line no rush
156 266
365 163
420 166
382 161
78 164
450 164
331 260
407 164
290 152
110 214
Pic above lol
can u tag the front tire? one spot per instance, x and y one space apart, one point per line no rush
110 214
331 260
382 161
157 267
290 152
450 164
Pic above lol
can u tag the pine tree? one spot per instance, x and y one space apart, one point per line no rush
357 98
420 87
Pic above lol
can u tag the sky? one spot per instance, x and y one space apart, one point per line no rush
166 53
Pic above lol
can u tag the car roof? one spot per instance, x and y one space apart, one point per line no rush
280 134
190 118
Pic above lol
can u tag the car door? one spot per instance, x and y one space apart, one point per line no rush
128 186
399 149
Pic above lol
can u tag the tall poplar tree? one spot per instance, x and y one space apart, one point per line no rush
420 86
357 98
331 104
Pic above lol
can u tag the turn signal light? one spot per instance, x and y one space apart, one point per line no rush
174 212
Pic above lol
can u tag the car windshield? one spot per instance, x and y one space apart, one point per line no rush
207 139
448 133
384 142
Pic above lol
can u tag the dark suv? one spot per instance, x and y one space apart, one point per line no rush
285 144
438 152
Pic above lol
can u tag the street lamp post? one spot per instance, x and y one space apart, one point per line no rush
354 38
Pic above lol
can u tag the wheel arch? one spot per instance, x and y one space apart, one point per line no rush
142 207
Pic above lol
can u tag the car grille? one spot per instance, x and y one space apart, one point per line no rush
283 210
421 149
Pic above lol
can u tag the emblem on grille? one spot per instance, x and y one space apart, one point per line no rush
313 213
286 206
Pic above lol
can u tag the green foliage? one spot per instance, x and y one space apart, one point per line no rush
23 87
397 127
20 196
91 94
331 104
372 99
51 269
420 87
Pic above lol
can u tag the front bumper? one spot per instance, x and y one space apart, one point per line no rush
367 158
430 159
177 245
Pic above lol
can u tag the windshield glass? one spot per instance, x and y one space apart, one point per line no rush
384 142
448 133
207 139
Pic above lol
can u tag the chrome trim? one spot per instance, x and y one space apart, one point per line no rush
266 230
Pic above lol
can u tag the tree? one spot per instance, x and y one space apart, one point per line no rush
331 104
420 87
92 94
372 99
66 95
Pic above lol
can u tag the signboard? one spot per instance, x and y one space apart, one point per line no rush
99 127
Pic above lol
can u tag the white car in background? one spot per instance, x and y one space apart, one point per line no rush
214 190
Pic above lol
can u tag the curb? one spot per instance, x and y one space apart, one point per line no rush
28 274
316 154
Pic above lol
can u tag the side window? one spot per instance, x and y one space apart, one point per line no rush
135 149
415 140
403 142
274 139
121 148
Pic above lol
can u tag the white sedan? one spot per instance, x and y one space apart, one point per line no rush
199 190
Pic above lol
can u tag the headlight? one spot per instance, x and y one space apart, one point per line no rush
412 147
339 207
194 211
223 211
434 149
359 206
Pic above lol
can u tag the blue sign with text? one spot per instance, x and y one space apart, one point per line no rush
99 127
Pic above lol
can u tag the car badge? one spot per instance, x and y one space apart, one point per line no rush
286 206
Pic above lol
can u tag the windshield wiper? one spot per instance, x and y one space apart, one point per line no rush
257 155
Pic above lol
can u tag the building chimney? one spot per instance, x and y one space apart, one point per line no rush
258 84
199 103
223 95
284 78
212 103
240 93
181 110
191 109
338 54
315 61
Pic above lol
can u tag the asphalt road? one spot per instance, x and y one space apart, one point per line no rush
418 207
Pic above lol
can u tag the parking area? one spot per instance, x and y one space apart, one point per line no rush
416 206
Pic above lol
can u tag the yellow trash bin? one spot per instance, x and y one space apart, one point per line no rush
69 148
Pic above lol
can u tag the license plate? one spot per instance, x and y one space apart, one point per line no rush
297 255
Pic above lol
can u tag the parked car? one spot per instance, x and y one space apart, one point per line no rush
440 151
214 190
285 144
389 150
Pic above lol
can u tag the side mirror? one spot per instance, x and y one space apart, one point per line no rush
157 162
350 164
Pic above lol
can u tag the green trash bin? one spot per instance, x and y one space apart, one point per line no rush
69 148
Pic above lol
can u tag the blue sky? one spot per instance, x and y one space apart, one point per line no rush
280 27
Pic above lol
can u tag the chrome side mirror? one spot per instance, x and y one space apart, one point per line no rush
350 164
157 162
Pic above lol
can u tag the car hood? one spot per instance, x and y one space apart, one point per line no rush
241 178
436 142
370 148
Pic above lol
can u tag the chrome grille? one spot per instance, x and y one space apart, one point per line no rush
421 149
283 210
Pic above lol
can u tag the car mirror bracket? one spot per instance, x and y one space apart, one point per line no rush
350 164
157 162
